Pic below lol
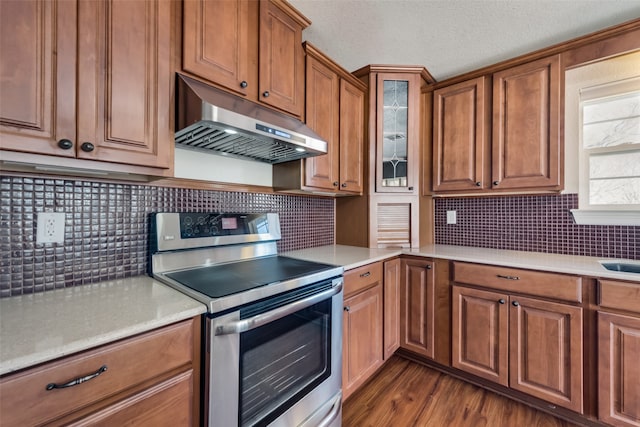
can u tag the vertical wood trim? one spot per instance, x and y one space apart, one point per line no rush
391 337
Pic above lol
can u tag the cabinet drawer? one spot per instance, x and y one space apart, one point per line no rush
362 277
26 400
620 295
548 285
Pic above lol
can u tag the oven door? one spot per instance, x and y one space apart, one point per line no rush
277 362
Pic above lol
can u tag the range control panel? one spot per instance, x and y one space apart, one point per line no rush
196 225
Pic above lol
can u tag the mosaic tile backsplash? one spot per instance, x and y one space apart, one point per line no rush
106 229
531 223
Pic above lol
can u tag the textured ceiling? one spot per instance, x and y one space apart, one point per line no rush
451 37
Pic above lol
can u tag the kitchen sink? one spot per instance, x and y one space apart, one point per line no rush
626 267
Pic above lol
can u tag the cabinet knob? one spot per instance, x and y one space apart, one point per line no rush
515 303
344 185
410 188
478 184
87 147
496 182
335 183
501 301
243 84
65 144
428 267
265 93
347 308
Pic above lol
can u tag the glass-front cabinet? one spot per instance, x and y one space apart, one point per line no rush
398 129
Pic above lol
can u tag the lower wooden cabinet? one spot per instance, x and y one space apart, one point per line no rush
362 352
619 369
151 380
417 311
618 352
391 335
530 345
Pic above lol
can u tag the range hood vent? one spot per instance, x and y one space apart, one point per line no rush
212 120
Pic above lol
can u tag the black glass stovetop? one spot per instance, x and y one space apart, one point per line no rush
226 279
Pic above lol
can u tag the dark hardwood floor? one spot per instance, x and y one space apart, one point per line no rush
405 394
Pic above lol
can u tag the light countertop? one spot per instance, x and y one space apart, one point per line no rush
351 257
39 327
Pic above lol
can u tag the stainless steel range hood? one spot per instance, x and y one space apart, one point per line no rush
212 120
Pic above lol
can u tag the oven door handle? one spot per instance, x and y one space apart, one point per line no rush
244 325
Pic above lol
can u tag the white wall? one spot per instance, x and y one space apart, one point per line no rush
193 164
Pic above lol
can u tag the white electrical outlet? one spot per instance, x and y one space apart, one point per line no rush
50 228
451 217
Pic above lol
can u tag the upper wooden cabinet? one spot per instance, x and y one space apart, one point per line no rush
527 142
524 151
251 48
88 80
335 111
461 136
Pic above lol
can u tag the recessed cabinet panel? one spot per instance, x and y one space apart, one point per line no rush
362 338
38 76
281 60
618 369
418 307
323 115
460 139
546 351
351 137
392 280
480 333
125 80
215 42
526 125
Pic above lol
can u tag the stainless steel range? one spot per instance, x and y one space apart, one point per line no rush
272 342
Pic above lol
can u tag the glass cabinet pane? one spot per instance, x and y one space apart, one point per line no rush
394 139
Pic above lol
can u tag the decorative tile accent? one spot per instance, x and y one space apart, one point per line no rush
106 230
531 223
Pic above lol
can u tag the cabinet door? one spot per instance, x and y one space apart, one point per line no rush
215 42
417 307
460 137
398 132
391 337
38 76
166 404
281 66
351 137
323 116
545 357
362 338
480 342
527 143
125 83
618 369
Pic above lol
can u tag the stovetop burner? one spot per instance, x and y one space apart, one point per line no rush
227 260
218 281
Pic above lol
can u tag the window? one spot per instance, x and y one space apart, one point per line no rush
610 146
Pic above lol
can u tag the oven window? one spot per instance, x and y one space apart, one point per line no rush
282 361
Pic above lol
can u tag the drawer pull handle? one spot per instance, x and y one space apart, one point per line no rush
367 274
79 380
508 277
